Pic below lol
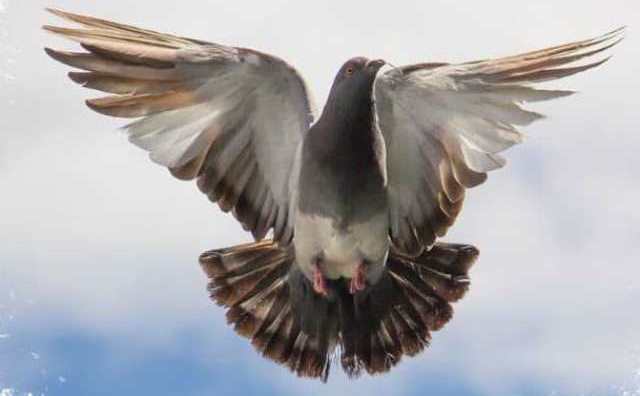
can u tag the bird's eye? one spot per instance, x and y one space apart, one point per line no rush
349 71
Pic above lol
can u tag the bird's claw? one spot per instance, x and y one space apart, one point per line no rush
358 281
319 281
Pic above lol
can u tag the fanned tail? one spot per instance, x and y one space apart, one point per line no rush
252 281
399 313
270 302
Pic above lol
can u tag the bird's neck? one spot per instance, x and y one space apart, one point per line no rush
348 126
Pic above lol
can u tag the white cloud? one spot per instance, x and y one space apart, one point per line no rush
95 235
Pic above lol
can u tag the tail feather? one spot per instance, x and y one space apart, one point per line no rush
270 302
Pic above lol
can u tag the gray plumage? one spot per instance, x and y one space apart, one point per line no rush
354 199
341 203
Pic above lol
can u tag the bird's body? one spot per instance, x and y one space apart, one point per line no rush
341 205
354 200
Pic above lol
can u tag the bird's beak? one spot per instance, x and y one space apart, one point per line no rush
375 64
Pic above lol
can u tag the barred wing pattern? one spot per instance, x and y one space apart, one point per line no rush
444 125
232 118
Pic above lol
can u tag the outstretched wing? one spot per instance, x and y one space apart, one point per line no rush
232 118
444 125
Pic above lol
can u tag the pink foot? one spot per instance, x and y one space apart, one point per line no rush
319 282
358 282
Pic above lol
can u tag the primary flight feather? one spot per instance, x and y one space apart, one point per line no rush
354 198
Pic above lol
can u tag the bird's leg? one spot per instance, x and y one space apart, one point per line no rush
358 281
319 282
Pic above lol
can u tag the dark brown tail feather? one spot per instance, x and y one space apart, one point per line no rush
271 303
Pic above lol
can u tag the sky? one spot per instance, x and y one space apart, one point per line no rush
100 289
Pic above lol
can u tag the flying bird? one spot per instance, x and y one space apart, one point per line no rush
346 206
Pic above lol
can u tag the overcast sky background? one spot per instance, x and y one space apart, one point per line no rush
100 289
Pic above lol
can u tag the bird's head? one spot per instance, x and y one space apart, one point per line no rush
358 70
354 82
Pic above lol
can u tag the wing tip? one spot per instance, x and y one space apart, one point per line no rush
78 77
54 54
63 14
61 31
619 31
609 39
106 105
49 28
594 64
562 93
97 105
91 104
61 56
59 13
54 11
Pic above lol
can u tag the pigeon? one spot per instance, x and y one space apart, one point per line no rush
346 207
